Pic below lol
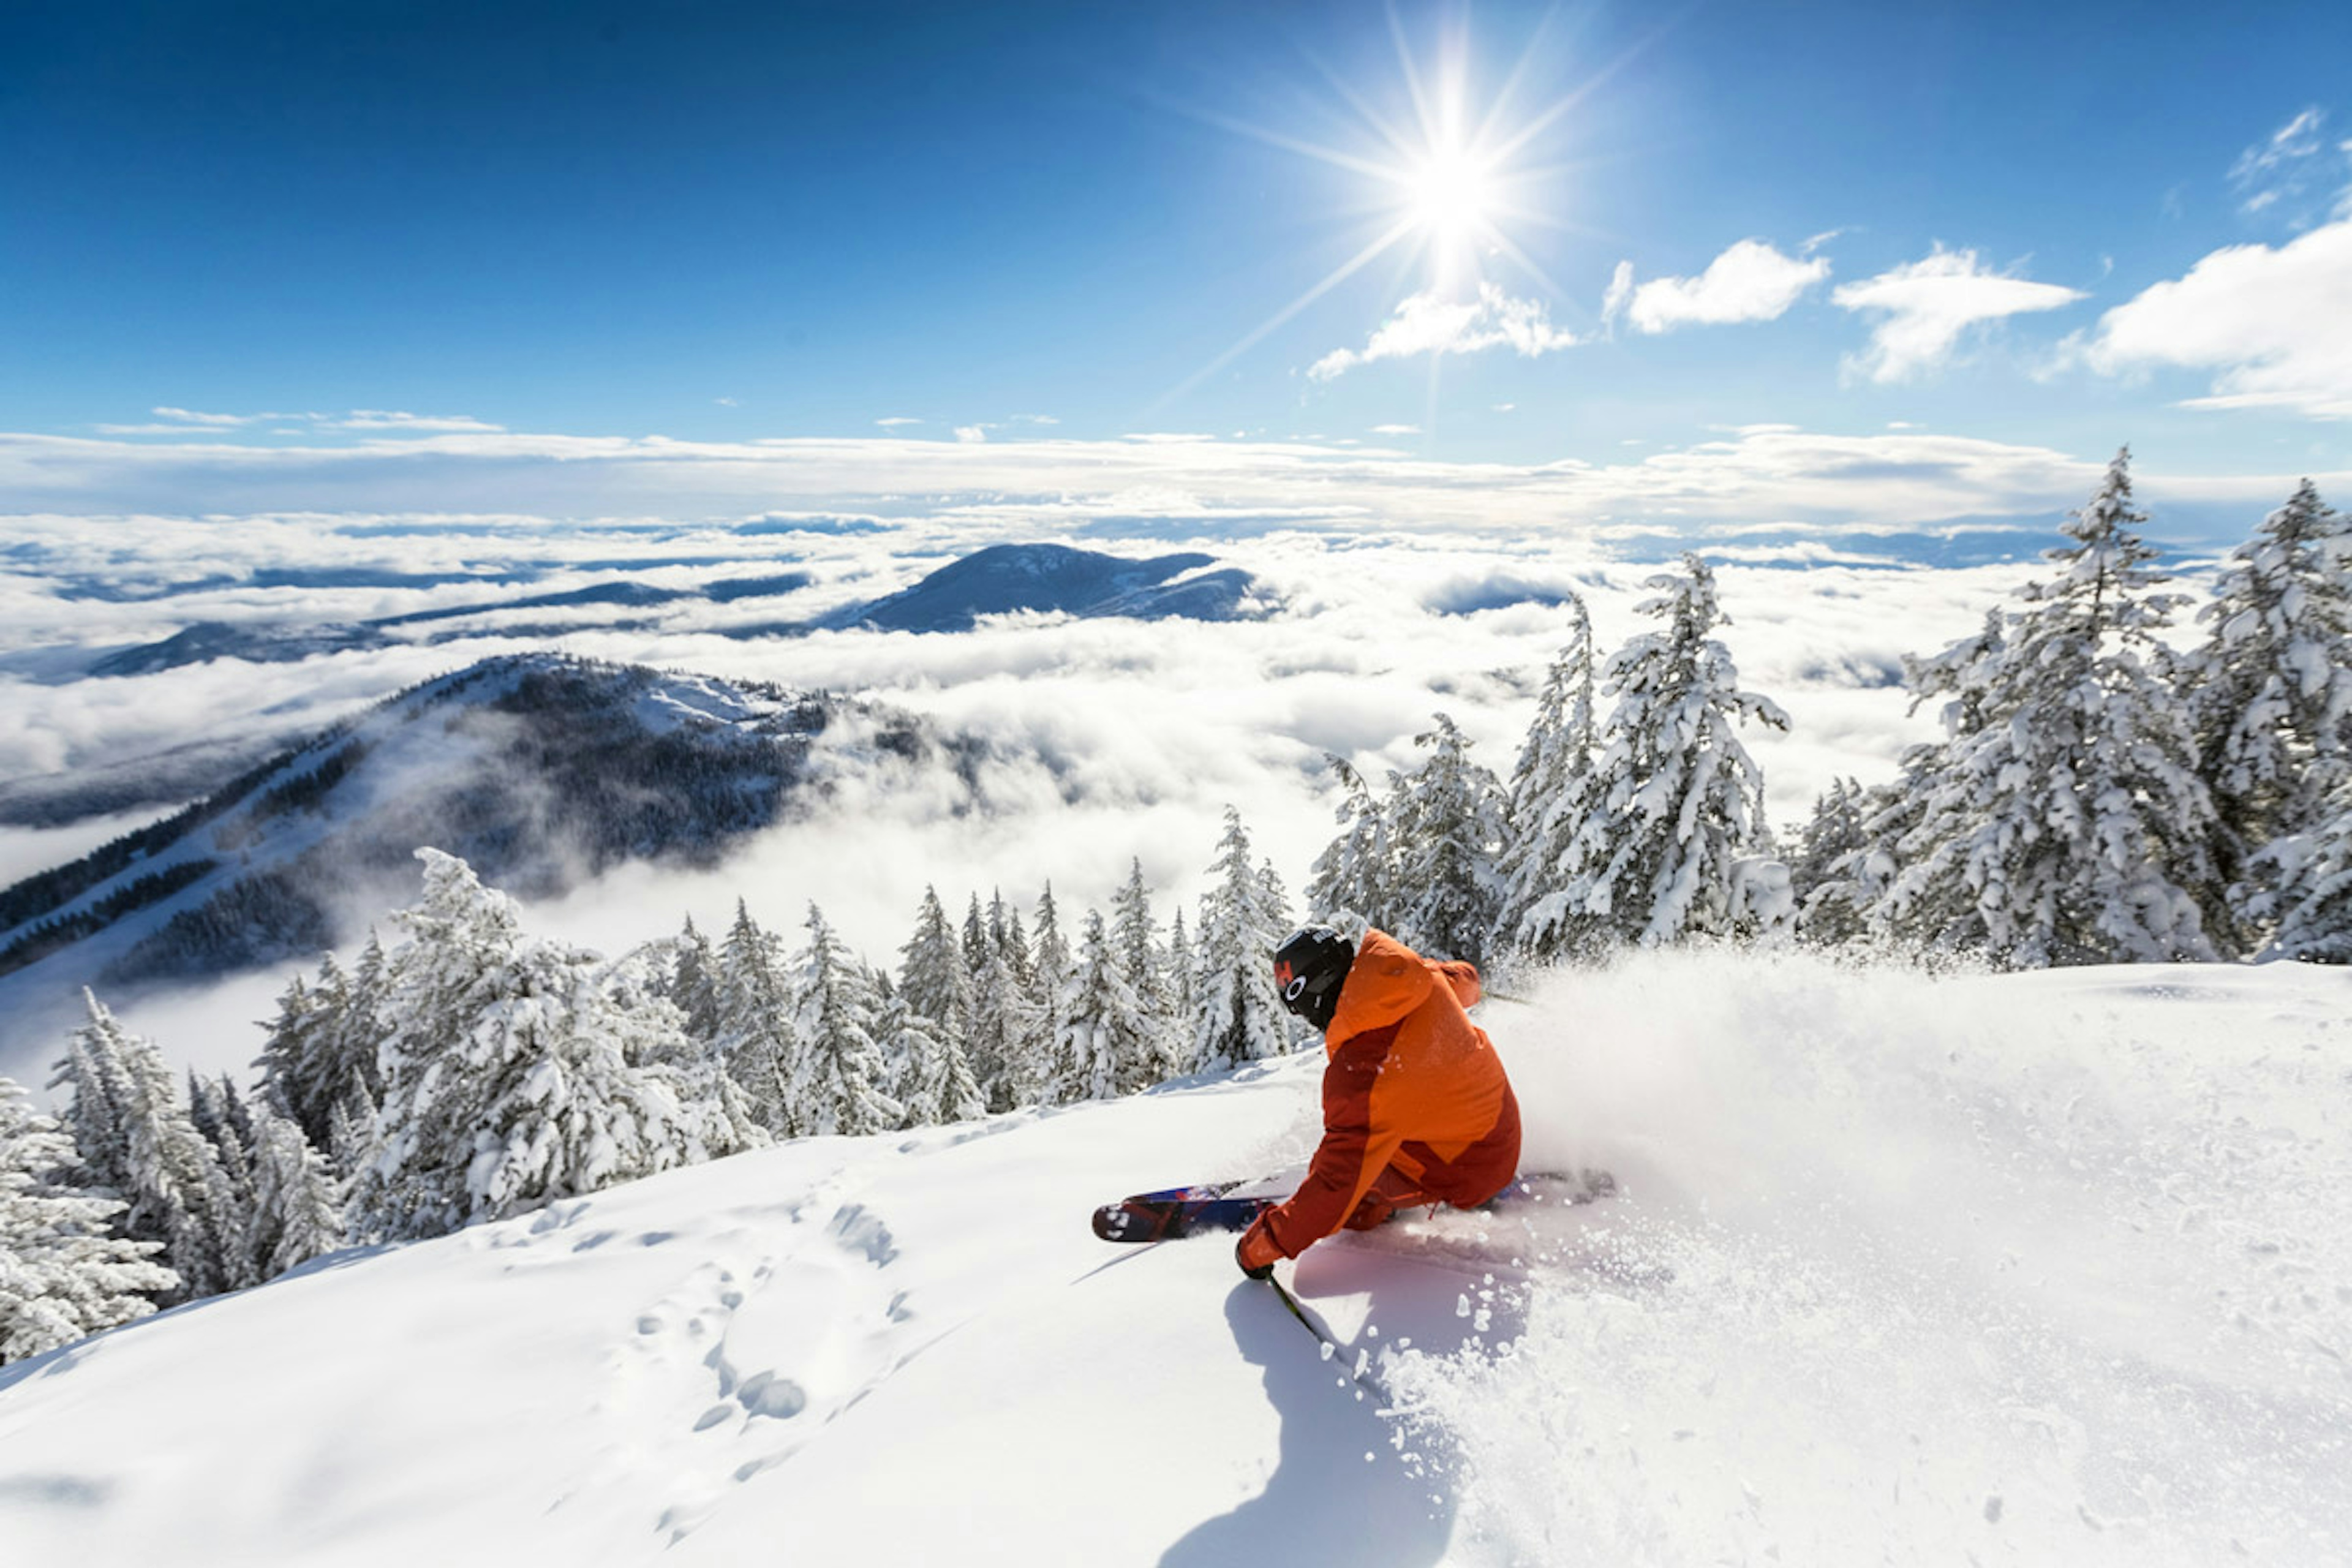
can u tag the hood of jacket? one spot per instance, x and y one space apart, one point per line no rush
1388 981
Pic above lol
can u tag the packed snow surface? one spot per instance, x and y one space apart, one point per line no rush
2051 1268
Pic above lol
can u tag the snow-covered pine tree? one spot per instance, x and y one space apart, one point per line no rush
935 988
506 1079
1824 873
1050 965
753 1028
649 1026
836 1011
1237 1016
1354 880
1108 1042
63 1272
1146 966
1182 975
322 1045
218 1114
2062 821
1669 815
297 1207
1543 805
693 982
1006 1044
144 1150
2270 692
1448 819
2306 882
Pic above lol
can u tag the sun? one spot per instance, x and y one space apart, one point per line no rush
1449 181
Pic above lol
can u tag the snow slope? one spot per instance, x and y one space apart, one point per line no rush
2041 1268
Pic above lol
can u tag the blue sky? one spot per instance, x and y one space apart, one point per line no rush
728 222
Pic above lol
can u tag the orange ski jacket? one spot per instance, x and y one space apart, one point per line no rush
1412 1085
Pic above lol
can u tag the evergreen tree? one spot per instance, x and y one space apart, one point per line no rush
1050 967
1355 880
2305 888
297 1207
144 1150
1669 815
2271 691
752 1029
694 982
1541 808
1147 969
1237 1016
508 1081
63 1273
836 1011
935 988
2062 821
219 1116
1107 1044
1448 816
1823 875
1005 1040
1182 973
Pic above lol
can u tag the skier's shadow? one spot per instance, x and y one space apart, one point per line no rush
1326 1501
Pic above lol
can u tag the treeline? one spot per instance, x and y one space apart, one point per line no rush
473 1071
2098 795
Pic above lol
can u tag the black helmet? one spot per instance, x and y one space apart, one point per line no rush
1309 969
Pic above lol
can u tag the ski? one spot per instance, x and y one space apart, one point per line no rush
1178 1212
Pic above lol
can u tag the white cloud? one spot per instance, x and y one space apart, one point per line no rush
2275 326
1396 429
394 419
1752 282
189 416
2282 171
725 401
971 433
1922 307
1428 324
896 420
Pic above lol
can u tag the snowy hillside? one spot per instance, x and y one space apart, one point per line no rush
1054 579
2041 1268
544 770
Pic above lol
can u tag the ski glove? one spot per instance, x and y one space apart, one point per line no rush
1255 1252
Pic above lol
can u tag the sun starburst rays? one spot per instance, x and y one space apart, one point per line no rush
1439 186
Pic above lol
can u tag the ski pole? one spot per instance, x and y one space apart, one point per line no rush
1363 1379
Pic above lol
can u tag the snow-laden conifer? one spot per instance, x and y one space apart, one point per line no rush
753 1012
1050 966
218 1114
1448 819
836 1013
1823 872
1008 1048
297 1204
1107 1040
2305 882
507 1078
693 983
1145 966
1542 802
144 1149
1669 817
2270 690
63 1273
2062 820
1354 880
1181 975
1237 1016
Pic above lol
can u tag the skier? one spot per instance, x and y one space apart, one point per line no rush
1415 1106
